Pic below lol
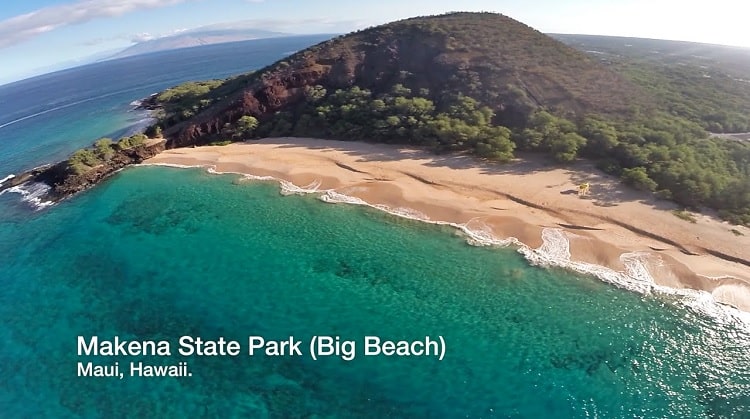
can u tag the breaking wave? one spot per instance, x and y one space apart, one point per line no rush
288 188
554 251
9 177
636 277
31 193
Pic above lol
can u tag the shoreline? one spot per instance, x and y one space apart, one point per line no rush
535 205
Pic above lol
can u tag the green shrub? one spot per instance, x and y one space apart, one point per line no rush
685 215
638 178
83 160
220 142
103 148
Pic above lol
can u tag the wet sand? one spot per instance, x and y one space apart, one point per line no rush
518 199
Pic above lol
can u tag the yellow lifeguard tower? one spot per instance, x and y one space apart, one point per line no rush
583 189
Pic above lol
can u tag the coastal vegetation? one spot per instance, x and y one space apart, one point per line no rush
103 150
455 124
186 100
685 215
706 84
484 84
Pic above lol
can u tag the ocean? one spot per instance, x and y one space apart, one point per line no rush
158 253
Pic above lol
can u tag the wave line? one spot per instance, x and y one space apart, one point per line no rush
57 108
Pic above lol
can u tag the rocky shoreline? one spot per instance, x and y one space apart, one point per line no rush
64 182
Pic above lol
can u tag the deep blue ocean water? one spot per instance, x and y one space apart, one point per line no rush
45 118
158 253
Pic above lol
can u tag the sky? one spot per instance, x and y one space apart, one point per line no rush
37 36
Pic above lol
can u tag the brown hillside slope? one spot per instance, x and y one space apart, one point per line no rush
505 64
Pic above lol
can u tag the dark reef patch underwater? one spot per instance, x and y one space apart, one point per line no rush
158 253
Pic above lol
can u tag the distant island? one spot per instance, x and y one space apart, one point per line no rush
193 38
487 87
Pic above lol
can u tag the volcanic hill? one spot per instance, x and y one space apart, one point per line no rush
504 64
479 83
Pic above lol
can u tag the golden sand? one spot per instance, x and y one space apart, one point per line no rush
518 200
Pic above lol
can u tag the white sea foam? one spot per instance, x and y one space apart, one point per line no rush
403 212
253 177
636 277
554 252
333 197
9 177
32 193
555 246
177 166
288 188
637 263
478 233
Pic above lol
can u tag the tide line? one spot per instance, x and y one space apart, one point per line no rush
554 251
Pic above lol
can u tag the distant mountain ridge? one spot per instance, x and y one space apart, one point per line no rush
195 38
730 58
705 83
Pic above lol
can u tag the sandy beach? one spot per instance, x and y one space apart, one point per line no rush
519 199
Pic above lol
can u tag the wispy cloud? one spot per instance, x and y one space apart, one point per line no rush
146 36
24 27
142 37
287 25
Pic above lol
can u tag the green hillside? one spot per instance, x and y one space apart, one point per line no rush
708 84
480 83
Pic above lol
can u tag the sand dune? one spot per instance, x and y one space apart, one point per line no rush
515 200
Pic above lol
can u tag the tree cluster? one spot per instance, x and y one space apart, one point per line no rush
664 154
456 124
102 151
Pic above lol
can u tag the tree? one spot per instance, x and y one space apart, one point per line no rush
315 93
494 143
246 126
83 160
638 178
103 148
601 137
565 147
154 131
399 90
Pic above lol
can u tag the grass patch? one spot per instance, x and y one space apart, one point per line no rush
221 142
685 215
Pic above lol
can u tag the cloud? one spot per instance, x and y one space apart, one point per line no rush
146 36
142 37
24 27
290 25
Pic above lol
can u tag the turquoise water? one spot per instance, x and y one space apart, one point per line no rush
157 253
